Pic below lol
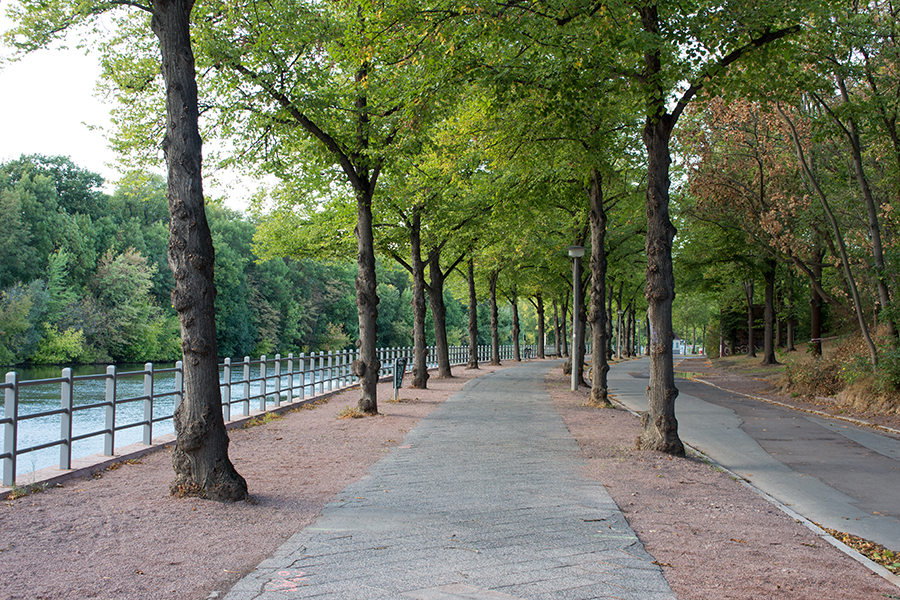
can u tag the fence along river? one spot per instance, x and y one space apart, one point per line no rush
92 409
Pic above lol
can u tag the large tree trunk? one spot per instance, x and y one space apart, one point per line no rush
473 319
597 313
660 428
769 336
495 320
367 366
420 348
439 314
200 457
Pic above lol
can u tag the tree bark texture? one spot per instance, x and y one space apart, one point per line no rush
420 349
367 365
495 320
473 319
597 313
200 458
659 426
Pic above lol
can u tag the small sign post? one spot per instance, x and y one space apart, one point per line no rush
399 369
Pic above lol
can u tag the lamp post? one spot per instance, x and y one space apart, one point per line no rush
576 252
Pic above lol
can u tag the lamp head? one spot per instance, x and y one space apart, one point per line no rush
576 251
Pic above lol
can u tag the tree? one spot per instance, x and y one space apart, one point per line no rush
200 457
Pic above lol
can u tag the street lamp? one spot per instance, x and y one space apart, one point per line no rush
576 252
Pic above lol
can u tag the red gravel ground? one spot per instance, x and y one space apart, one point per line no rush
119 534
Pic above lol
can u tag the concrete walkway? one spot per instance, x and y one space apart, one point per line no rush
833 473
483 500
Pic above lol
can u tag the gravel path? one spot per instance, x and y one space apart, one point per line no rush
119 534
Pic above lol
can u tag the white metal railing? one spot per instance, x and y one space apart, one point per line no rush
244 383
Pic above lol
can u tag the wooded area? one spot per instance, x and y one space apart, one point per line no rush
479 140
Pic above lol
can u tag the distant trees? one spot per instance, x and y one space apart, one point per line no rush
94 286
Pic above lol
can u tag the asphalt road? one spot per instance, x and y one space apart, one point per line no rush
836 474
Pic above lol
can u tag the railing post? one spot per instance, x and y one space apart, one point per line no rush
330 370
148 403
290 377
179 385
302 359
10 430
65 420
109 438
226 390
246 400
263 384
277 380
321 372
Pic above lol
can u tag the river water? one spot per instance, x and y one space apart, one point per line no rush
45 397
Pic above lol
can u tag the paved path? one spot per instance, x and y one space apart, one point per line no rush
483 500
833 473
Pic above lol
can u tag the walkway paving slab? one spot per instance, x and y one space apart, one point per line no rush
486 499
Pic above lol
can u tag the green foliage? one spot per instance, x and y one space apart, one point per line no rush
60 347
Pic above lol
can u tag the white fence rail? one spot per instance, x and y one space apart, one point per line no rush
260 384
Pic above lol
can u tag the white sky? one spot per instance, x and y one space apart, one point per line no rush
47 104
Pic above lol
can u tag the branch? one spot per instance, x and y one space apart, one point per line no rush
730 58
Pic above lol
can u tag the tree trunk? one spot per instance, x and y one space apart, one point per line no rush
200 458
748 294
556 340
660 428
541 353
439 314
597 313
769 337
845 260
565 334
791 311
647 323
815 304
473 319
872 212
609 322
420 347
516 331
367 365
495 320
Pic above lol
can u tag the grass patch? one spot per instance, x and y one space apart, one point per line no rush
350 412
262 419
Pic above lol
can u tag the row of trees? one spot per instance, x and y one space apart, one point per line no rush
486 135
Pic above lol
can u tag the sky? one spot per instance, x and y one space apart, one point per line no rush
48 106
47 103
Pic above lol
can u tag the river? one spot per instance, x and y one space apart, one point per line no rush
45 397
